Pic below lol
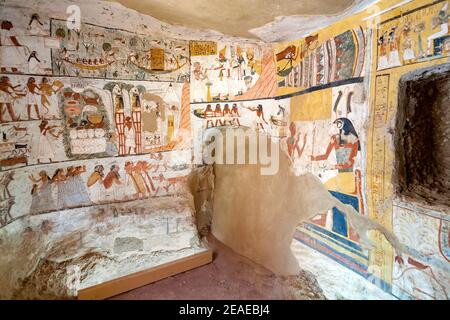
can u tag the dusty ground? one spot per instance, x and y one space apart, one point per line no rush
229 276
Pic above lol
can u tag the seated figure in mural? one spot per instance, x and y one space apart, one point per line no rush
346 145
344 185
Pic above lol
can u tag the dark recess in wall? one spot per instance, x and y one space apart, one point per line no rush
422 137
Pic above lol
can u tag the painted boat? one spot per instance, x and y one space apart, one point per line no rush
140 66
91 67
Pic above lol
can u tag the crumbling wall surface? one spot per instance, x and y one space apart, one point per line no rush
422 136
201 186
52 256
256 215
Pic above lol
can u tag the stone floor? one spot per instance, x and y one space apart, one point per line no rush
232 276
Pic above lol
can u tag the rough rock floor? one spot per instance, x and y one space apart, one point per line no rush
229 276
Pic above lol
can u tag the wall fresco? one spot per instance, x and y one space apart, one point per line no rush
227 74
94 51
414 37
308 63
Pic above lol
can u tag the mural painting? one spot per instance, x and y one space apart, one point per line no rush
94 51
414 37
423 274
25 43
223 71
327 139
306 63
265 116
87 182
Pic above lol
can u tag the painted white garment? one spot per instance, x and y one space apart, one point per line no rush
394 59
32 98
96 192
45 150
130 138
408 54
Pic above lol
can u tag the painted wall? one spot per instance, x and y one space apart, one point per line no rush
342 83
95 151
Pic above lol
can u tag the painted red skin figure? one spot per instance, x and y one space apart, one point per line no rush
218 114
227 114
235 114
136 116
9 92
334 144
292 141
209 113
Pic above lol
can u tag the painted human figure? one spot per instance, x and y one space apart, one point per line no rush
35 26
218 115
95 184
130 136
42 198
6 198
135 180
8 93
260 116
119 118
198 87
209 114
47 89
220 84
11 51
227 115
59 180
144 168
111 183
235 115
383 55
137 119
293 140
74 192
45 145
440 20
346 145
393 41
32 97
35 66
408 44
